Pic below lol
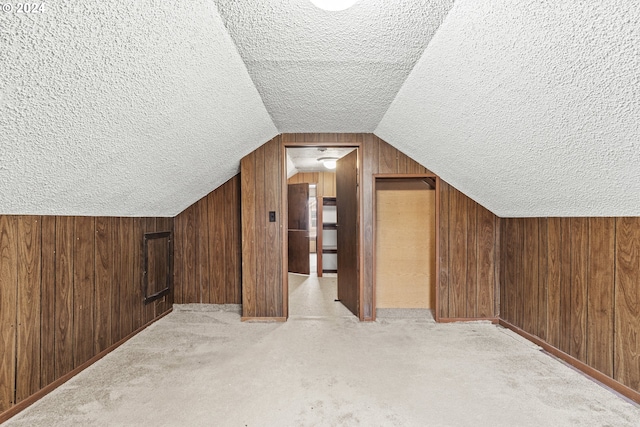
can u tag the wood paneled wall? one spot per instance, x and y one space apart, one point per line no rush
262 245
468 285
70 287
470 248
575 284
326 182
207 258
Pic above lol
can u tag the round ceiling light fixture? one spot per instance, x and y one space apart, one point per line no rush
334 5
328 162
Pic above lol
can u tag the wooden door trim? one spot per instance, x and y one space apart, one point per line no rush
284 216
377 176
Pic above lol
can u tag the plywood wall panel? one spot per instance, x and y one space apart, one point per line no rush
48 298
217 248
273 243
600 302
83 289
458 241
103 283
586 289
627 303
579 253
201 235
8 312
486 255
249 255
127 244
59 285
29 299
443 250
64 302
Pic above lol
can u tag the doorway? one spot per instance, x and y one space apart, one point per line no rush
332 224
405 244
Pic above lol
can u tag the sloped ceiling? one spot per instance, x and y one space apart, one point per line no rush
320 71
532 108
121 108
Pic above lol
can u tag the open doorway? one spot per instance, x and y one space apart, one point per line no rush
322 259
405 245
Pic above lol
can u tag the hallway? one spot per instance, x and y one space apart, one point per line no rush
201 366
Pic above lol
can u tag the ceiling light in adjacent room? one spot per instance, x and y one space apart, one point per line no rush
334 5
328 162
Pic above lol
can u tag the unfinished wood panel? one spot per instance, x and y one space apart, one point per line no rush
458 255
443 250
29 300
600 302
104 281
530 276
249 255
627 302
83 290
486 254
8 313
64 295
472 259
370 168
554 281
405 246
48 298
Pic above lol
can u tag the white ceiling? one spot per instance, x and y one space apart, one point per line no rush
141 108
321 71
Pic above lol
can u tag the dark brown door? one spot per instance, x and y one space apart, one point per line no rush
347 210
298 228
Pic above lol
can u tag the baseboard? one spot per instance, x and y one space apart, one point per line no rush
263 319
493 320
581 366
22 405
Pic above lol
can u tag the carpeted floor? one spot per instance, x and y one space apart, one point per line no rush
201 366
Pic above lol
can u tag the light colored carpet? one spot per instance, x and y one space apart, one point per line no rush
201 366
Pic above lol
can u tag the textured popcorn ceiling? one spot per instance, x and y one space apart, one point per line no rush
140 108
321 71
532 108
121 108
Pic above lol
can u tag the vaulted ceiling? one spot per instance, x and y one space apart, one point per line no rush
532 108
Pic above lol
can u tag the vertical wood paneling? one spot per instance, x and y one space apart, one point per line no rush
8 312
104 281
565 285
83 290
600 309
260 266
273 246
191 291
232 241
543 289
247 175
486 255
554 281
627 302
217 247
201 235
530 275
443 250
458 255
579 251
127 273
29 299
472 258
387 158
47 313
64 295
